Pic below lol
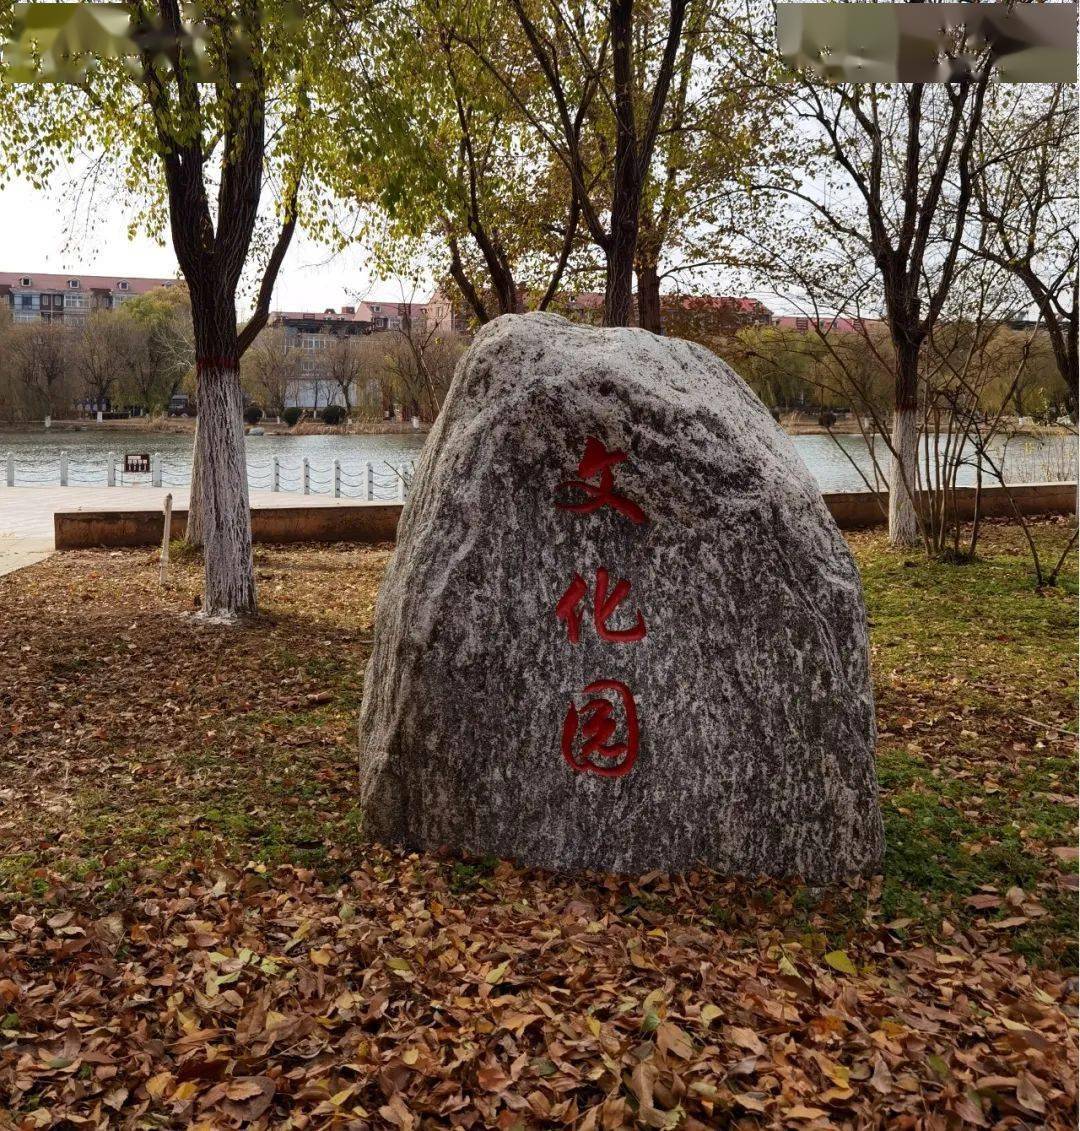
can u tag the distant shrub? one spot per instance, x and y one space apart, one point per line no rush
827 419
292 415
253 414
333 414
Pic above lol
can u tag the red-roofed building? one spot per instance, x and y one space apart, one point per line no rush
682 316
699 317
834 323
39 296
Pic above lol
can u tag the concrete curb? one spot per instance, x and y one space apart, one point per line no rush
377 522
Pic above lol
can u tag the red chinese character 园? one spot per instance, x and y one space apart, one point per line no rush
604 606
597 728
597 460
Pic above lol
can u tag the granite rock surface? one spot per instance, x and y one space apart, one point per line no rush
620 629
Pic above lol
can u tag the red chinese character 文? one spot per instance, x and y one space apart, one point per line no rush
587 734
598 461
604 606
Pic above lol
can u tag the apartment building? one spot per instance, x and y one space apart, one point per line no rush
313 332
48 297
395 315
445 314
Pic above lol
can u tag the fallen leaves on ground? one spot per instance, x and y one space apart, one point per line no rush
195 934
241 996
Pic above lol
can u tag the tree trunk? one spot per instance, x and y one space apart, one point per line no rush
648 291
628 173
619 281
223 493
194 527
1065 353
903 520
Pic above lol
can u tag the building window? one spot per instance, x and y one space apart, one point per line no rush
26 300
77 302
26 281
73 284
802 324
122 285
46 301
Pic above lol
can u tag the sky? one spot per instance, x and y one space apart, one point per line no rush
42 232
38 233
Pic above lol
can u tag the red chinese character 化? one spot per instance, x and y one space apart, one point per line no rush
604 606
597 460
597 728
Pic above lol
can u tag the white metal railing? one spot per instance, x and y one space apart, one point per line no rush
338 479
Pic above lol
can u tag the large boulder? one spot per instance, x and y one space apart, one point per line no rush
620 629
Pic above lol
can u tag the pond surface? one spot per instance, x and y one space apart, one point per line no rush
37 459
1026 459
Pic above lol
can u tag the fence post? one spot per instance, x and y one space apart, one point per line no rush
110 469
63 469
307 476
11 469
275 474
166 537
155 469
402 483
337 478
370 482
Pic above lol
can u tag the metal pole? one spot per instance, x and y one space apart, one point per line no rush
307 476
275 475
155 469
337 479
370 482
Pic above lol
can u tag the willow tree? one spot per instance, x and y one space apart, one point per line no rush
193 120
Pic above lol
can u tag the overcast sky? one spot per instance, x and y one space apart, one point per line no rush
36 234
40 232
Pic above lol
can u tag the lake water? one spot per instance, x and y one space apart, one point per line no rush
37 459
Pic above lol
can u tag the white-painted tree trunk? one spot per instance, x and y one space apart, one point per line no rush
223 495
194 527
903 521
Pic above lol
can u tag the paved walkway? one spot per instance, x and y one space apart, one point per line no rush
17 553
26 513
